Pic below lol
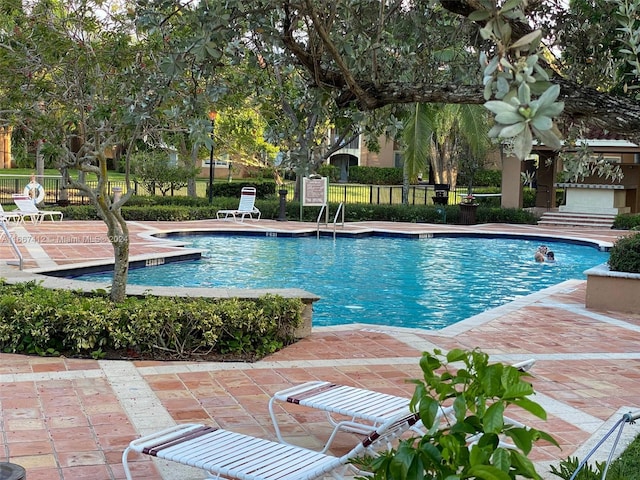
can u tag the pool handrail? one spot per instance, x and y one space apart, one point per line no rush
335 218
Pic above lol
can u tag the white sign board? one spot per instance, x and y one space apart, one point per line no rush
314 191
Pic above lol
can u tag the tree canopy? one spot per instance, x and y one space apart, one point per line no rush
372 54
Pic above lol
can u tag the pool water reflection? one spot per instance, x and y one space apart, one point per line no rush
427 283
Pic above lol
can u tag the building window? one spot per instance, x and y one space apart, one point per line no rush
398 160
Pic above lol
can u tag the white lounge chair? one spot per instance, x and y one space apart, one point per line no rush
14 216
226 454
27 208
245 208
362 410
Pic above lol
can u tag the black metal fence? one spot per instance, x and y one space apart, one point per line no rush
387 194
345 193
10 185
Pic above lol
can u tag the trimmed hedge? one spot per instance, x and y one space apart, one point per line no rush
625 254
489 211
627 221
37 320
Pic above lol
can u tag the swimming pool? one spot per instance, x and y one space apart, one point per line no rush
424 283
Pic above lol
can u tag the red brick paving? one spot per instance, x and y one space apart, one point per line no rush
61 418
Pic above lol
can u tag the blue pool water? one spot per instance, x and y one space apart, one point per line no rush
427 283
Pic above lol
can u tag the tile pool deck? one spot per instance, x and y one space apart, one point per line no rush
71 419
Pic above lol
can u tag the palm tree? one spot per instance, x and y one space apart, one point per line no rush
437 134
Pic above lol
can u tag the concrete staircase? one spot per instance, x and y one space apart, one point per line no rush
589 220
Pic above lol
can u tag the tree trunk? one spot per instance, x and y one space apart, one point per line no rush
117 230
120 242
118 233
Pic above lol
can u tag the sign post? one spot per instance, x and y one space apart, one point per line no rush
314 193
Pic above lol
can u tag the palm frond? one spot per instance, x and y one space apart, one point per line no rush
417 134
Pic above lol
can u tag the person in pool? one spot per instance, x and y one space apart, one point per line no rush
541 254
551 257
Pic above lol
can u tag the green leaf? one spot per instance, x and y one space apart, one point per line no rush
501 459
528 40
429 409
456 355
488 472
549 96
522 142
524 94
508 118
502 87
493 418
478 455
510 5
403 462
552 110
498 106
545 436
549 138
491 378
460 408
522 438
516 390
479 15
523 465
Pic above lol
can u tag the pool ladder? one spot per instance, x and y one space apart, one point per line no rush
12 243
325 210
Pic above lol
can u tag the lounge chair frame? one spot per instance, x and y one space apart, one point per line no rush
226 454
27 208
13 216
356 410
246 207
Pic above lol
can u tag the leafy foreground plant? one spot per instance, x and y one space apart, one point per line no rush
465 443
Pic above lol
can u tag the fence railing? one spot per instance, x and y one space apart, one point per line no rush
53 191
383 194
338 193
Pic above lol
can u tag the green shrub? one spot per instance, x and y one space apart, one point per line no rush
375 175
330 171
625 467
186 208
567 468
627 221
176 201
482 178
233 189
625 254
156 172
37 320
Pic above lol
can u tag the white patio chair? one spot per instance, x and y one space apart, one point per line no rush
226 454
245 208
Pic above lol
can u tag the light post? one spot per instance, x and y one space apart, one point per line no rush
212 116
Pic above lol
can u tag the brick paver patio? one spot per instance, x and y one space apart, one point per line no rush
70 419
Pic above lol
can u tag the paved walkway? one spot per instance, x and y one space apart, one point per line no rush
71 419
